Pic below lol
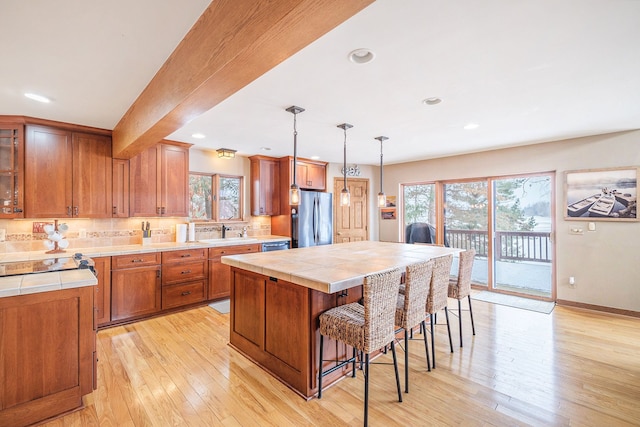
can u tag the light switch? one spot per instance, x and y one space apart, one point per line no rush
592 226
3 234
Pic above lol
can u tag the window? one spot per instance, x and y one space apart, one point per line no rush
215 197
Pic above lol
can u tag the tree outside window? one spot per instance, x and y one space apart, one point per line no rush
215 197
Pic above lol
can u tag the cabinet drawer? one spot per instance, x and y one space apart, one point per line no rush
186 255
233 250
181 272
134 260
188 293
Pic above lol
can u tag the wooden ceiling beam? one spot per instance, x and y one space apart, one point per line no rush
232 43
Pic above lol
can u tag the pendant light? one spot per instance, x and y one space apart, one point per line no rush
345 197
382 199
294 191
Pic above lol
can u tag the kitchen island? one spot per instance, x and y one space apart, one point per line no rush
277 297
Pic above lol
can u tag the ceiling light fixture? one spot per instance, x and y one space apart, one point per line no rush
432 101
345 197
37 97
226 153
382 199
361 56
294 191
471 126
198 135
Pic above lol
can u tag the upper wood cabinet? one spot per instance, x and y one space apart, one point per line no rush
120 188
265 186
67 174
159 181
11 170
310 175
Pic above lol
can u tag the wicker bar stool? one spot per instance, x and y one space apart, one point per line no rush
437 298
366 328
410 308
461 287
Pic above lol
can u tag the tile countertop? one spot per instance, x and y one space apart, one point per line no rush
57 280
43 282
136 249
333 268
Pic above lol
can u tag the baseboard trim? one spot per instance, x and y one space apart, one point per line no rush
598 308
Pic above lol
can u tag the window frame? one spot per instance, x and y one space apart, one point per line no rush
215 205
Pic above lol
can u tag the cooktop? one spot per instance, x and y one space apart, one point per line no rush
15 268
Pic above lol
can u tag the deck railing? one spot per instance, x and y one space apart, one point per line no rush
511 245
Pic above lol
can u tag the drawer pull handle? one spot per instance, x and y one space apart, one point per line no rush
185 272
184 294
137 260
185 255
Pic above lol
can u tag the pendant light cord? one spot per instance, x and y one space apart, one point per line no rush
295 147
381 165
344 169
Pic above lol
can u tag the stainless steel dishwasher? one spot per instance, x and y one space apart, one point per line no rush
275 246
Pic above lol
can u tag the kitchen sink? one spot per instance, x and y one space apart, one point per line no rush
229 239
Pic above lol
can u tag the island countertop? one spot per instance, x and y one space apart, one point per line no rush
333 268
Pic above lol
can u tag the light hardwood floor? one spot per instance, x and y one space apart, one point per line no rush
570 368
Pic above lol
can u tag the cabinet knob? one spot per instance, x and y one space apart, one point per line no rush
68 210
158 210
185 272
76 211
115 210
184 294
185 255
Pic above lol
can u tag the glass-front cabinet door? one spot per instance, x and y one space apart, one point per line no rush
11 171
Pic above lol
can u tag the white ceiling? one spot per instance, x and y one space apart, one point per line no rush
525 71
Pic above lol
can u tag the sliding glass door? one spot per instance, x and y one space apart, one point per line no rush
522 256
507 220
466 224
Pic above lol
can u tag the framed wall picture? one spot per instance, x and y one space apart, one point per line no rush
388 213
601 194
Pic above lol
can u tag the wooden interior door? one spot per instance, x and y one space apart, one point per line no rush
351 222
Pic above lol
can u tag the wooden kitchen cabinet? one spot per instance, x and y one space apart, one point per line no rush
48 344
310 175
102 300
67 174
120 192
11 170
184 277
265 186
219 273
159 181
135 286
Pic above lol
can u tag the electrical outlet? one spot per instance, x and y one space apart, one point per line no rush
3 234
38 227
572 282
82 233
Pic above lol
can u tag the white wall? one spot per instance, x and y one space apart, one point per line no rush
605 262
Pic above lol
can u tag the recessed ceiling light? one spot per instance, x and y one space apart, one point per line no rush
361 56
265 148
37 97
432 101
471 126
198 135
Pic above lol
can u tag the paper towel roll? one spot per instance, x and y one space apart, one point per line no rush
192 232
181 233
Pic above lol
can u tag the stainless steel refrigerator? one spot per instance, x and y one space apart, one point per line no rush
312 221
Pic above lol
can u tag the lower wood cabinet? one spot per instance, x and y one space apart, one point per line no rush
184 277
102 301
48 357
275 323
135 286
219 273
